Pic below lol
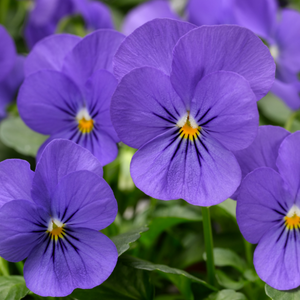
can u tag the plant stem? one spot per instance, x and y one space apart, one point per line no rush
289 123
4 267
248 250
209 248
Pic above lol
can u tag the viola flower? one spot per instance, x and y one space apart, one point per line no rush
45 16
268 214
68 95
53 216
262 152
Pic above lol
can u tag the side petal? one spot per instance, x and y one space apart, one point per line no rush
288 162
83 199
94 52
48 101
60 158
200 171
50 53
150 45
222 47
83 259
262 203
144 106
22 228
224 106
276 258
146 12
16 180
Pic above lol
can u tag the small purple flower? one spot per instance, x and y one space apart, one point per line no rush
67 93
188 111
46 14
268 214
53 216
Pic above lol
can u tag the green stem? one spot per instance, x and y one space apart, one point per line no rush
20 266
4 267
209 248
3 10
248 250
289 123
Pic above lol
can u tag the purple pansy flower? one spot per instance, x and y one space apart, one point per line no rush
268 214
67 91
188 111
53 216
46 14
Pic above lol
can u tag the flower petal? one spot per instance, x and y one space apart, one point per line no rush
288 162
94 52
50 53
16 180
144 106
60 158
146 12
84 258
150 45
83 199
48 101
224 106
276 258
200 171
225 47
262 203
22 227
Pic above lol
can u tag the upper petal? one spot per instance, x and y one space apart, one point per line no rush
150 45
83 199
84 258
222 47
50 53
144 106
94 52
60 158
200 171
16 180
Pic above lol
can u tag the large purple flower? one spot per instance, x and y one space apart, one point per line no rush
46 14
268 214
67 93
186 112
52 217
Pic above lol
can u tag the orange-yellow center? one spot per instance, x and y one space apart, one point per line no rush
187 131
56 231
292 222
85 126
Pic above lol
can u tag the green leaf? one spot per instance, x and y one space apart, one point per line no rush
167 217
146 265
12 288
123 241
227 282
226 257
125 283
15 134
227 295
282 295
229 206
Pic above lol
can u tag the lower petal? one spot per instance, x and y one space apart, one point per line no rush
82 259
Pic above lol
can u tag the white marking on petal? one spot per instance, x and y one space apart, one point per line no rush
295 210
83 114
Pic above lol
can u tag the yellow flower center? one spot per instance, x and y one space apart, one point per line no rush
85 126
56 230
189 127
292 222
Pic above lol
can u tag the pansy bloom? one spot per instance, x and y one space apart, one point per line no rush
46 15
68 95
53 216
268 214
187 113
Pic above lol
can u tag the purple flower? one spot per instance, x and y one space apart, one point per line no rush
46 14
188 111
67 93
268 214
52 217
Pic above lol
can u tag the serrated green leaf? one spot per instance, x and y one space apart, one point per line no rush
282 295
167 217
125 283
226 257
15 134
123 241
12 288
149 266
227 282
227 295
